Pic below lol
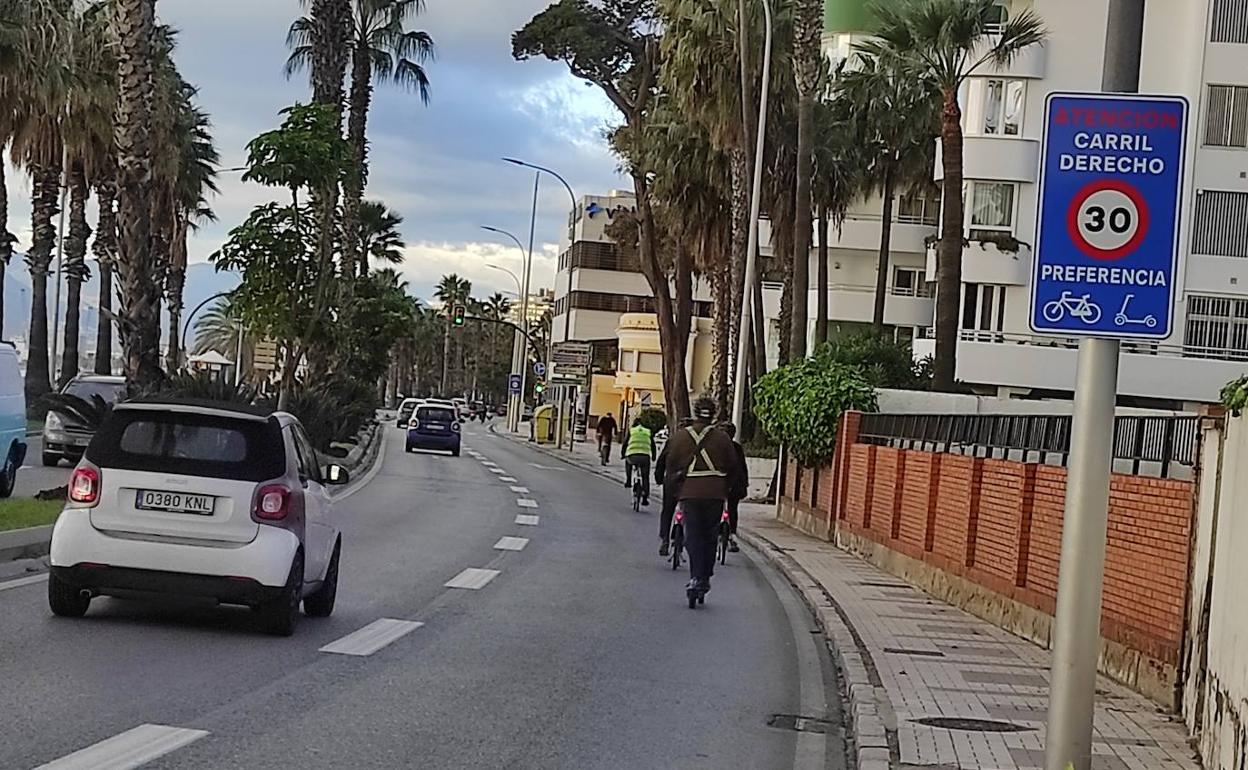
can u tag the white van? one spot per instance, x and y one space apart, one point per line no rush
12 418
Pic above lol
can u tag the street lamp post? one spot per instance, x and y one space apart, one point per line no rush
515 403
567 319
738 395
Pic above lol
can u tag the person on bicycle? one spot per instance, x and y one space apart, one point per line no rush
606 434
638 451
671 493
704 455
739 490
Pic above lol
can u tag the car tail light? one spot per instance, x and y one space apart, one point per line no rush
414 424
84 486
273 502
455 426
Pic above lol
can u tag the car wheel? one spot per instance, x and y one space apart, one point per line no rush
320 604
8 476
455 452
64 600
280 616
51 460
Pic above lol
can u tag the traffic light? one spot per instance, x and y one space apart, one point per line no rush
539 387
457 315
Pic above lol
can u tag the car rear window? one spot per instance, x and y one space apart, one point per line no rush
210 446
436 414
109 391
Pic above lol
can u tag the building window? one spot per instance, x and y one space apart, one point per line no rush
1003 106
991 209
995 16
983 311
1230 21
1226 120
1217 327
919 208
628 360
623 303
1220 226
649 363
910 282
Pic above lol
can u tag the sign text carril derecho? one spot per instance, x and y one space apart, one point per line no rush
1107 242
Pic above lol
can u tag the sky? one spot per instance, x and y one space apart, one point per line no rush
440 166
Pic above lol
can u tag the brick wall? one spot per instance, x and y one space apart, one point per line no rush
998 523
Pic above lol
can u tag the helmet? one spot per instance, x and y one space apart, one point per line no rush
705 408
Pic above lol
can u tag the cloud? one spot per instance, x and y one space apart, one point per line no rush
427 262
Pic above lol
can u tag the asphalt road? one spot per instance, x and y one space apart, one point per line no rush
33 477
579 653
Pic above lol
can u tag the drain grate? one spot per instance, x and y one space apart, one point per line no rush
800 724
883 585
923 653
973 725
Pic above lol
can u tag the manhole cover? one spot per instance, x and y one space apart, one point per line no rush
800 723
973 725
924 653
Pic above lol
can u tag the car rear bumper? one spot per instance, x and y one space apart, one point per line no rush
446 442
265 561
125 582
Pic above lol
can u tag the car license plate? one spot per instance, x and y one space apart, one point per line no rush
436 426
174 502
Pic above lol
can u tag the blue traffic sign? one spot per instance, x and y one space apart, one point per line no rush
513 384
539 369
1107 243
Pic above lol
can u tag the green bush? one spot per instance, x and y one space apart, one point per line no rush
334 410
801 404
884 362
1235 395
203 387
652 418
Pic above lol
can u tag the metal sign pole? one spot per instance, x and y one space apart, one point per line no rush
1076 636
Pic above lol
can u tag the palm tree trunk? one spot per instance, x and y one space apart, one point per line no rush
739 160
6 240
175 284
802 228
357 137
446 356
886 232
75 268
329 68
784 254
721 288
45 189
821 280
135 20
759 331
949 250
105 250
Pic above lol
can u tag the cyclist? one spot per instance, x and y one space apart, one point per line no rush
740 489
704 455
671 493
606 434
638 451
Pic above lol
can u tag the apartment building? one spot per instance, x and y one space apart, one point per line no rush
1197 49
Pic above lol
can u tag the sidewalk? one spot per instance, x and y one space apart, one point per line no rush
907 657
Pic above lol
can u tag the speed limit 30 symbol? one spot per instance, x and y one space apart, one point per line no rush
1107 219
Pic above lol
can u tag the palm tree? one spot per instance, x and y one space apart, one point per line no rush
836 184
17 20
808 69
949 40
104 248
380 239
892 113
218 328
134 25
452 290
381 48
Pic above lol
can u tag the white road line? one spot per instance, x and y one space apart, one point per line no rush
130 749
525 502
489 463
511 544
498 471
521 490
527 521
26 581
372 637
507 479
472 578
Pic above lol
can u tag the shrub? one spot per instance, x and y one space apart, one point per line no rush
882 361
652 418
1235 395
334 410
203 387
801 404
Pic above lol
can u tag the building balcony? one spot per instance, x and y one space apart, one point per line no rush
856 304
996 159
985 262
862 232
1146 370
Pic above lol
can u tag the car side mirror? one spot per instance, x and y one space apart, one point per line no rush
336 476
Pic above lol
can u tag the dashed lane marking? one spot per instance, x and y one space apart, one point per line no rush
511 544
527 521
130 749
507 479
26 581
525 502
473 578
520 490
372 637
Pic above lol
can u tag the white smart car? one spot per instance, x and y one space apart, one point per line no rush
199 500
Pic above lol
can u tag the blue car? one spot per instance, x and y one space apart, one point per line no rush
434 427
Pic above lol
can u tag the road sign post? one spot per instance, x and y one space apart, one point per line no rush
1121 232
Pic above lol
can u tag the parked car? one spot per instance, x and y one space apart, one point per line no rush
434 427
201 500
406 407
64 437
12 418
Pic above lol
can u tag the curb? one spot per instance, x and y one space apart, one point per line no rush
872 724
28 543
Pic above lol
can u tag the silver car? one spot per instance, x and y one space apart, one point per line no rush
65 438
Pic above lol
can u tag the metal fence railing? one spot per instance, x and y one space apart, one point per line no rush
1150 445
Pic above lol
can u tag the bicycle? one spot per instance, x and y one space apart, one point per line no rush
604 451
725 536
1078 307
678 537
637 493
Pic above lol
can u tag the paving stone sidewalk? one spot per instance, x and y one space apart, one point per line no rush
923 659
